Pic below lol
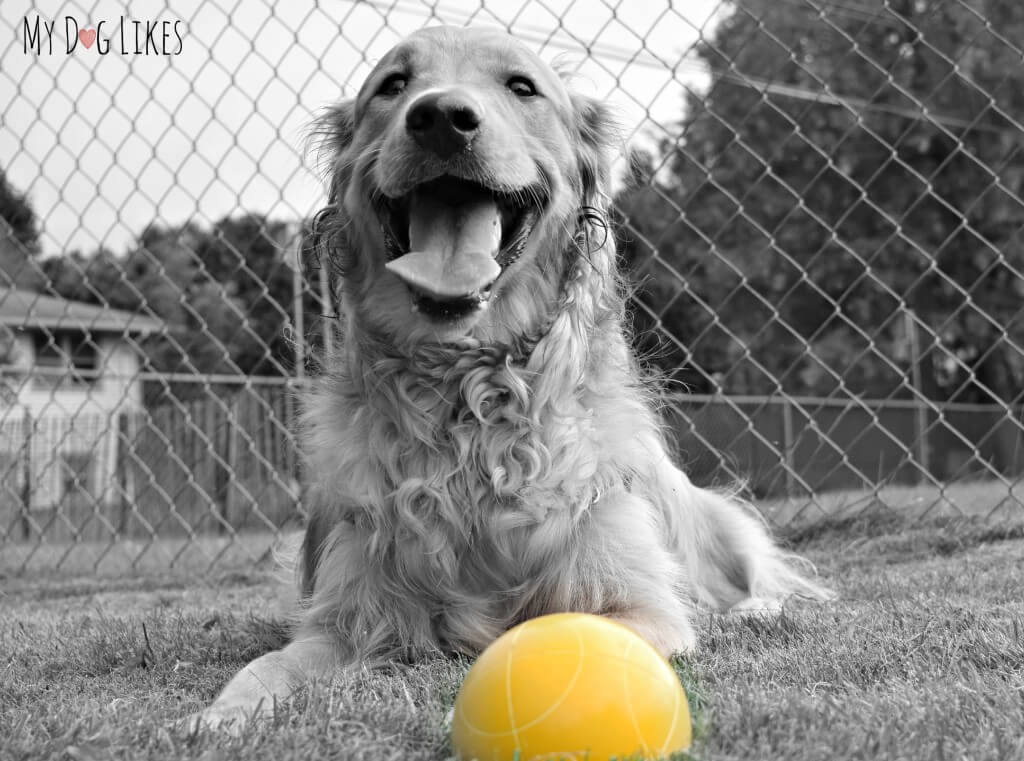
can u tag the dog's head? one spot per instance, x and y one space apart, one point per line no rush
458 176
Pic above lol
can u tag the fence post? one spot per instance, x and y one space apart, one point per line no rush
26 485
121 477
232 462
788 442
920 400
327 304
298 310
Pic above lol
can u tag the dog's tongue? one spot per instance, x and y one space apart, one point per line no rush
453 242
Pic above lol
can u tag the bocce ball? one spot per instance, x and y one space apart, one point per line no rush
569 686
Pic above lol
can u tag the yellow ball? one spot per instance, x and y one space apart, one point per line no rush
569 686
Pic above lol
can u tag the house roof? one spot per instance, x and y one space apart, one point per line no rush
26 309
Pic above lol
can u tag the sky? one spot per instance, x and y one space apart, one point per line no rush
207 116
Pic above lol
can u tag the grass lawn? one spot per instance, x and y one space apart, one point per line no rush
922 657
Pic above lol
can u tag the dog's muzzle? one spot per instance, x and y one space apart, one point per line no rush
450 237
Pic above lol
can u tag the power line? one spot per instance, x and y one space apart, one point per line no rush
547 37
855 103
623 55
850 11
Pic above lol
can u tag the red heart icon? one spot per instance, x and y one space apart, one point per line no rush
87 37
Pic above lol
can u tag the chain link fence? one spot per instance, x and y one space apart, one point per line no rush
819 201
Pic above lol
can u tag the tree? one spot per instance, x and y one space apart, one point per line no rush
226 293
19 239
247 258
851 172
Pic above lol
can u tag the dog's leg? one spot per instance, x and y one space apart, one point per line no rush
669 634
315 651
732 563
641 583
269 680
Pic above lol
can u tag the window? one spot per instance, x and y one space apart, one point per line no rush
11 376
65 358
84 361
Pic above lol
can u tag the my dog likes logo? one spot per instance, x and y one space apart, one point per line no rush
124 36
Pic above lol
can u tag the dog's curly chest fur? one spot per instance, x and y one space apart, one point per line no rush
463 447
464 480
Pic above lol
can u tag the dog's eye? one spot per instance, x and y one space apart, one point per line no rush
521 86
393 85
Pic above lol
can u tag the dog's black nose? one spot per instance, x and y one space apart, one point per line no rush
444 122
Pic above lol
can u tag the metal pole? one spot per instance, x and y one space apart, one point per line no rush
788 444
298 318
921 402
26 486
328 308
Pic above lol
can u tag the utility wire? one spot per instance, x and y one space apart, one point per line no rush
646 57
860 104
654 61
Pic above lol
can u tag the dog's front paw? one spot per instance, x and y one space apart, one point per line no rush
669 636
228 719
757 606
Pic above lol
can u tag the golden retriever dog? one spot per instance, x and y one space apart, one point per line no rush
483 449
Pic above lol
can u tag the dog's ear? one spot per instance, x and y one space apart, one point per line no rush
330 138
334 127
331 135
597 132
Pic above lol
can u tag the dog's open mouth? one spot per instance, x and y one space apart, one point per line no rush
450 239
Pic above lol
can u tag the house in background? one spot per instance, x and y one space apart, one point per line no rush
68 372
